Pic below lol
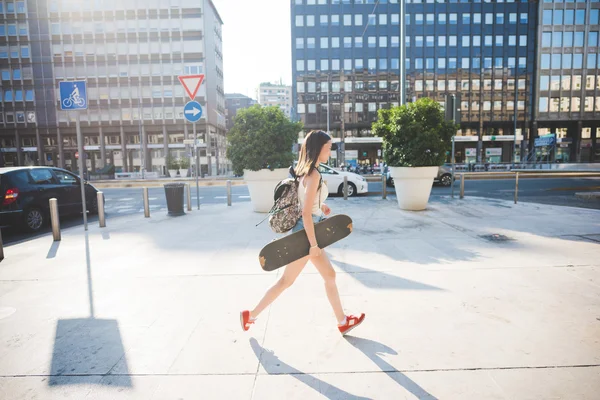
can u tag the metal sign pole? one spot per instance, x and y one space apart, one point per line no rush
197 165
81 177
452 167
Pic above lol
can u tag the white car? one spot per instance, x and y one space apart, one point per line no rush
335 181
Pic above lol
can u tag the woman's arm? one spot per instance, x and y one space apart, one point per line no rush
312 185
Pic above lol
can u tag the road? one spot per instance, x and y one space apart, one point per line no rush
125 201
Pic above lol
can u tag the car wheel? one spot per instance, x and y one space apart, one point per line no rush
34 219
446 180
351 189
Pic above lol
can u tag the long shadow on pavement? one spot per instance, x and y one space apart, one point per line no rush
87 348
272 364
373 349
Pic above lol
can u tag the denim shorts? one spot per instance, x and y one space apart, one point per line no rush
300 224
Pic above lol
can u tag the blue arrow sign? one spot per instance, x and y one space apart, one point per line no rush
73 95
192 111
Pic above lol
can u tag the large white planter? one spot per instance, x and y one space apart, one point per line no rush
183 172
173 173
413 186
261 185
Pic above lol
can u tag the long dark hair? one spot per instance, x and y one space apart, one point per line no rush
308 158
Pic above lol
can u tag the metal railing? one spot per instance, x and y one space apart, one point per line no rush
520 174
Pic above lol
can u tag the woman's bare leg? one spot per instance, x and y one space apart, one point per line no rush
289 276
326 270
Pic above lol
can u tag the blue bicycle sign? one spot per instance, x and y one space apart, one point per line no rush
73 95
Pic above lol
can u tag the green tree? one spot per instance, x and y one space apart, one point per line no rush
415 134
261 137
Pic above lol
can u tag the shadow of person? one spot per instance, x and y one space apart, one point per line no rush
274 366
373 349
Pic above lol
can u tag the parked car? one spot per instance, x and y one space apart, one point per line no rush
335 181
26 192
444 176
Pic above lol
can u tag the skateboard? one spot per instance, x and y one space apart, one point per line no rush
292 247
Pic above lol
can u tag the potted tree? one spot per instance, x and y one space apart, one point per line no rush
260 147
184 166
416 137
172 166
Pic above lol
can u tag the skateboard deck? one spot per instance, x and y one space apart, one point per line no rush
294 246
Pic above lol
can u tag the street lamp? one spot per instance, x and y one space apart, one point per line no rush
402 52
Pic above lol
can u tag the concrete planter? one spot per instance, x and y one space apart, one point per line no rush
413 186
261 185
183 172
173 173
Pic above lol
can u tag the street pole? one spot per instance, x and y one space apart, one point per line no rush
452 183
514 157
328 89
197 164
81 177
343 124
402 52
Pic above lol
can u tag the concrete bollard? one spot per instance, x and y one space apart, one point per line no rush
189 197
101 215
229 193
384 187
54 219
146 204
345 188
462 186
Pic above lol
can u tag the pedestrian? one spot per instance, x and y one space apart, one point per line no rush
311 195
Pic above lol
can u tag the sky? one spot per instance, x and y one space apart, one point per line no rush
256 43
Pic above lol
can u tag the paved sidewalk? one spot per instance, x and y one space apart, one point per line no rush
148 309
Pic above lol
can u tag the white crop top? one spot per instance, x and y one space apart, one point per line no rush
320 198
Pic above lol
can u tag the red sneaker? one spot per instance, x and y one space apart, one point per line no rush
351 323
245 320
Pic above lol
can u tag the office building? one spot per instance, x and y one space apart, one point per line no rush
278 95
130 53
235 102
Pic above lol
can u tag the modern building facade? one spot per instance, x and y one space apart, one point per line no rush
270 94
568 85
235 102
130 53
486 53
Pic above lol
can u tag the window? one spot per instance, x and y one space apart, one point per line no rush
300 87
523 40
358 20
8 95
372 64
568 39
476 62
335 64
567 61
430 41
523 18
382 41
441 41
465 63
6 75
488 40
593 39
348 65
12 30
358 42
476 41
579 17
441 63
41 176
418 19
452 41
430 19
544 82
347 20
18 95
310 20
372 20
499 18
348 42
522 62
465 41
372 41
453 18
577 61
299 43
512 18
477 18
511 62
312 108
578 39
311 65
442 19
466 19
324 20
499 40
419 41
310 43
418 63
299 65
65 178
324 42
324 65
591 61
547 17
489 18
396 41
335 20
382 19
299 20
452 63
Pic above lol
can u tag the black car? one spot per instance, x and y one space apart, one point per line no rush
26 192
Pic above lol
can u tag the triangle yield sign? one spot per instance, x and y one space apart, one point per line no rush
191 84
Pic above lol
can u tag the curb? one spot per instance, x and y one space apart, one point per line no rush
588 195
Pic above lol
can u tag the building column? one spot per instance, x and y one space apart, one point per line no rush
18 146
166 147
124 151
147 164
576 153
40 147
61 151
102 149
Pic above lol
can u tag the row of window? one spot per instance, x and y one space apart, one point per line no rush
429 85
419 19
336 2
13 29
568 82
114 70
132 92
10 95
17 73
568 104
569 39
569 17
18 116
103 49
14 51
125 114
12 7
569 61
419 41
131 26
428 63
311 108
119 5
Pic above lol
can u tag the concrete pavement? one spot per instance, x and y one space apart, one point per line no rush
472 299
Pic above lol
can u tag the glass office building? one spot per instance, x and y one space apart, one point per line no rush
130 53
568 85
483 52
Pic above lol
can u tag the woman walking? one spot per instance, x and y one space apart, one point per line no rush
311 195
